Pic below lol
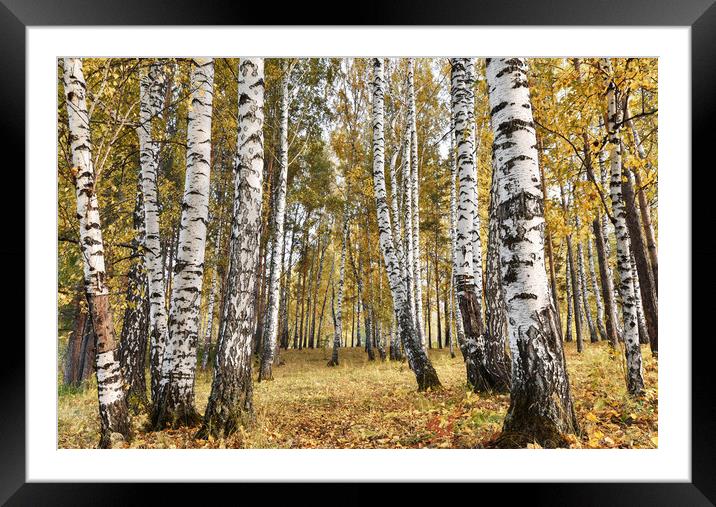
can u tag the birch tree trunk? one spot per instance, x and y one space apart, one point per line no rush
415 197
595 290
230 402
484 371
640 318
568 293
548 239
634 379
541 408
457 317
574 274
476 241
175 404
644 209
135 325
113 412
70 374
418 360
605 273
151 95
408 229
643 275
593 338
495 308
270 335
338 312
209 331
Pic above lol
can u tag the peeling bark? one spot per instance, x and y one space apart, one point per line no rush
175 403
541 407
113 412
484 371
135 325
230 402
152 94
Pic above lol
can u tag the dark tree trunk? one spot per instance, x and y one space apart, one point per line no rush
73 354
437 305
610 308
646 276
428 310
498 362
575 296
446 312
135 325
487 370
648 230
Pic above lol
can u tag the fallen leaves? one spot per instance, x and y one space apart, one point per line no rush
366 404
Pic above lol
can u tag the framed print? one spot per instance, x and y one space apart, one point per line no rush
411 246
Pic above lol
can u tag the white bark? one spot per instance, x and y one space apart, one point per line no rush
417 358
635 382
338 315
476 240
151 103
110 385
461 107
209 331
415 209
459 330
179 362
408 227
231 391
596 291
270 337
541 405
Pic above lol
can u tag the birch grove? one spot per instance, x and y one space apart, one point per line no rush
339 226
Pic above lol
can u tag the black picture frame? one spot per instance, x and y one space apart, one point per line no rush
700 15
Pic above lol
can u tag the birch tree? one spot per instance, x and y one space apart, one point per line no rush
495 309
230 402
175 403
338 311
271 333
483 372
135 325
595 290
209 331
632 350
151 95
644 208
113 412
418 360
415 208
457 317
541 408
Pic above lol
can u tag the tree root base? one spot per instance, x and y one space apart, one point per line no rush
520 440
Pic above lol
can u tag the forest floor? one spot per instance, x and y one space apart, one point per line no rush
362 404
